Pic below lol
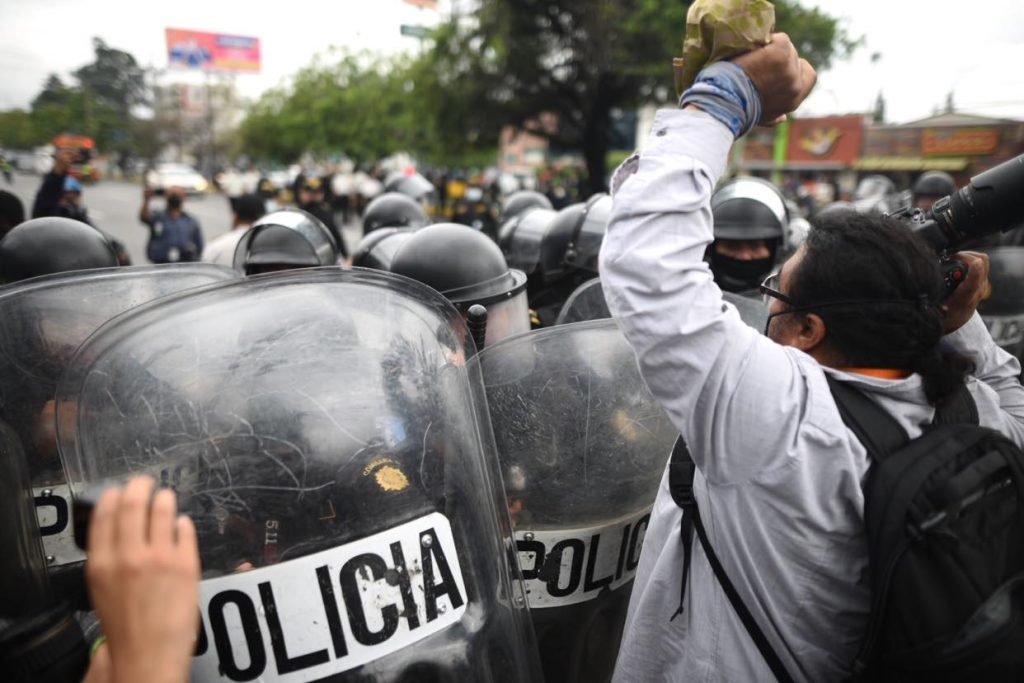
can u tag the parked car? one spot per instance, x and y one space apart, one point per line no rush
176 175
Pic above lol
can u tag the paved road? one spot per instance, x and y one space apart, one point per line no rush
114 207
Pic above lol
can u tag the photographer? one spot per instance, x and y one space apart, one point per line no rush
779 475
60 194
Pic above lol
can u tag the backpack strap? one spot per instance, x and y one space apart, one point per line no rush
879 431
680 481
873 426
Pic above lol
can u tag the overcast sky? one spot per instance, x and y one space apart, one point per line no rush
926 48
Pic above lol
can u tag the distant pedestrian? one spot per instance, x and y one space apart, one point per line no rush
248 208
173 234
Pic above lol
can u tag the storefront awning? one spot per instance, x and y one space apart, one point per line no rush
910 164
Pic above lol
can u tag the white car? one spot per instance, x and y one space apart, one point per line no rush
176 175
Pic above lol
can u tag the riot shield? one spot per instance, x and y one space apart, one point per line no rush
45 320
585 303
1003 309
321 428
588 303
583 446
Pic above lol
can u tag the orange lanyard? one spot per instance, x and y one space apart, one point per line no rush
880 373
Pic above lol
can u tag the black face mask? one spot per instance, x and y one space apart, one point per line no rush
739 275
174 203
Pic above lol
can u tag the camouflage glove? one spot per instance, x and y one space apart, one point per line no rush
721 29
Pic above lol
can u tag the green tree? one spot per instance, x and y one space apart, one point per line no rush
357 104
510 61
878 115
16 129
114 78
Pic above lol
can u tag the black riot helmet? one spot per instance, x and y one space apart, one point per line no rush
283 240
377 250
518 202
393 210
414 185
933 185
468 268
746 209
43 246
585 244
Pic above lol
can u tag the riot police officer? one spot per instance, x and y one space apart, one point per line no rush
283 240
467 268
751 222
53 245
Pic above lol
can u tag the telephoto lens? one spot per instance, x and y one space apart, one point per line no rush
992 202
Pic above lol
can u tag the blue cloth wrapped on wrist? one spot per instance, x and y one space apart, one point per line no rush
724 91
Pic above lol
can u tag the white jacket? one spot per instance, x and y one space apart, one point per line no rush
779 474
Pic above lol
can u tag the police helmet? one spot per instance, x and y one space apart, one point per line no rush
835 208
585 244
377 250
528 242
53 244
467 268
393 210
749 209
285 239
518 202
415 186
934 184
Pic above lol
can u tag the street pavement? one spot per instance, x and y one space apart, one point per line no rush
114 207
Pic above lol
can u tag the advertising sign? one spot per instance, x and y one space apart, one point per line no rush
203 51
956 141
827 138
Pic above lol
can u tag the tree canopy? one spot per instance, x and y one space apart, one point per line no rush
584 61
98 103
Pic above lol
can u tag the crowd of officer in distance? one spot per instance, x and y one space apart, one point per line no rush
841 491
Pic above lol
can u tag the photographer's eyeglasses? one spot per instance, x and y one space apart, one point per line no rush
769 291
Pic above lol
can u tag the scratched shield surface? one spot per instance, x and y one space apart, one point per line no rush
321 427
45 319
583 446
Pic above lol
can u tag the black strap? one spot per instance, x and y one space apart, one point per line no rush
878 430
873 426
681 473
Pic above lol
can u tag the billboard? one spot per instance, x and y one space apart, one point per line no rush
212 51
825 139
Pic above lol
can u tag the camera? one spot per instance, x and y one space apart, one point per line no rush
992 202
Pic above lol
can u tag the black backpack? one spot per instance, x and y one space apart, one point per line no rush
944 515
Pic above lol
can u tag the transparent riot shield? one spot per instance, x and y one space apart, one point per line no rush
44 321
587 303
583 446
1003 309
321 428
